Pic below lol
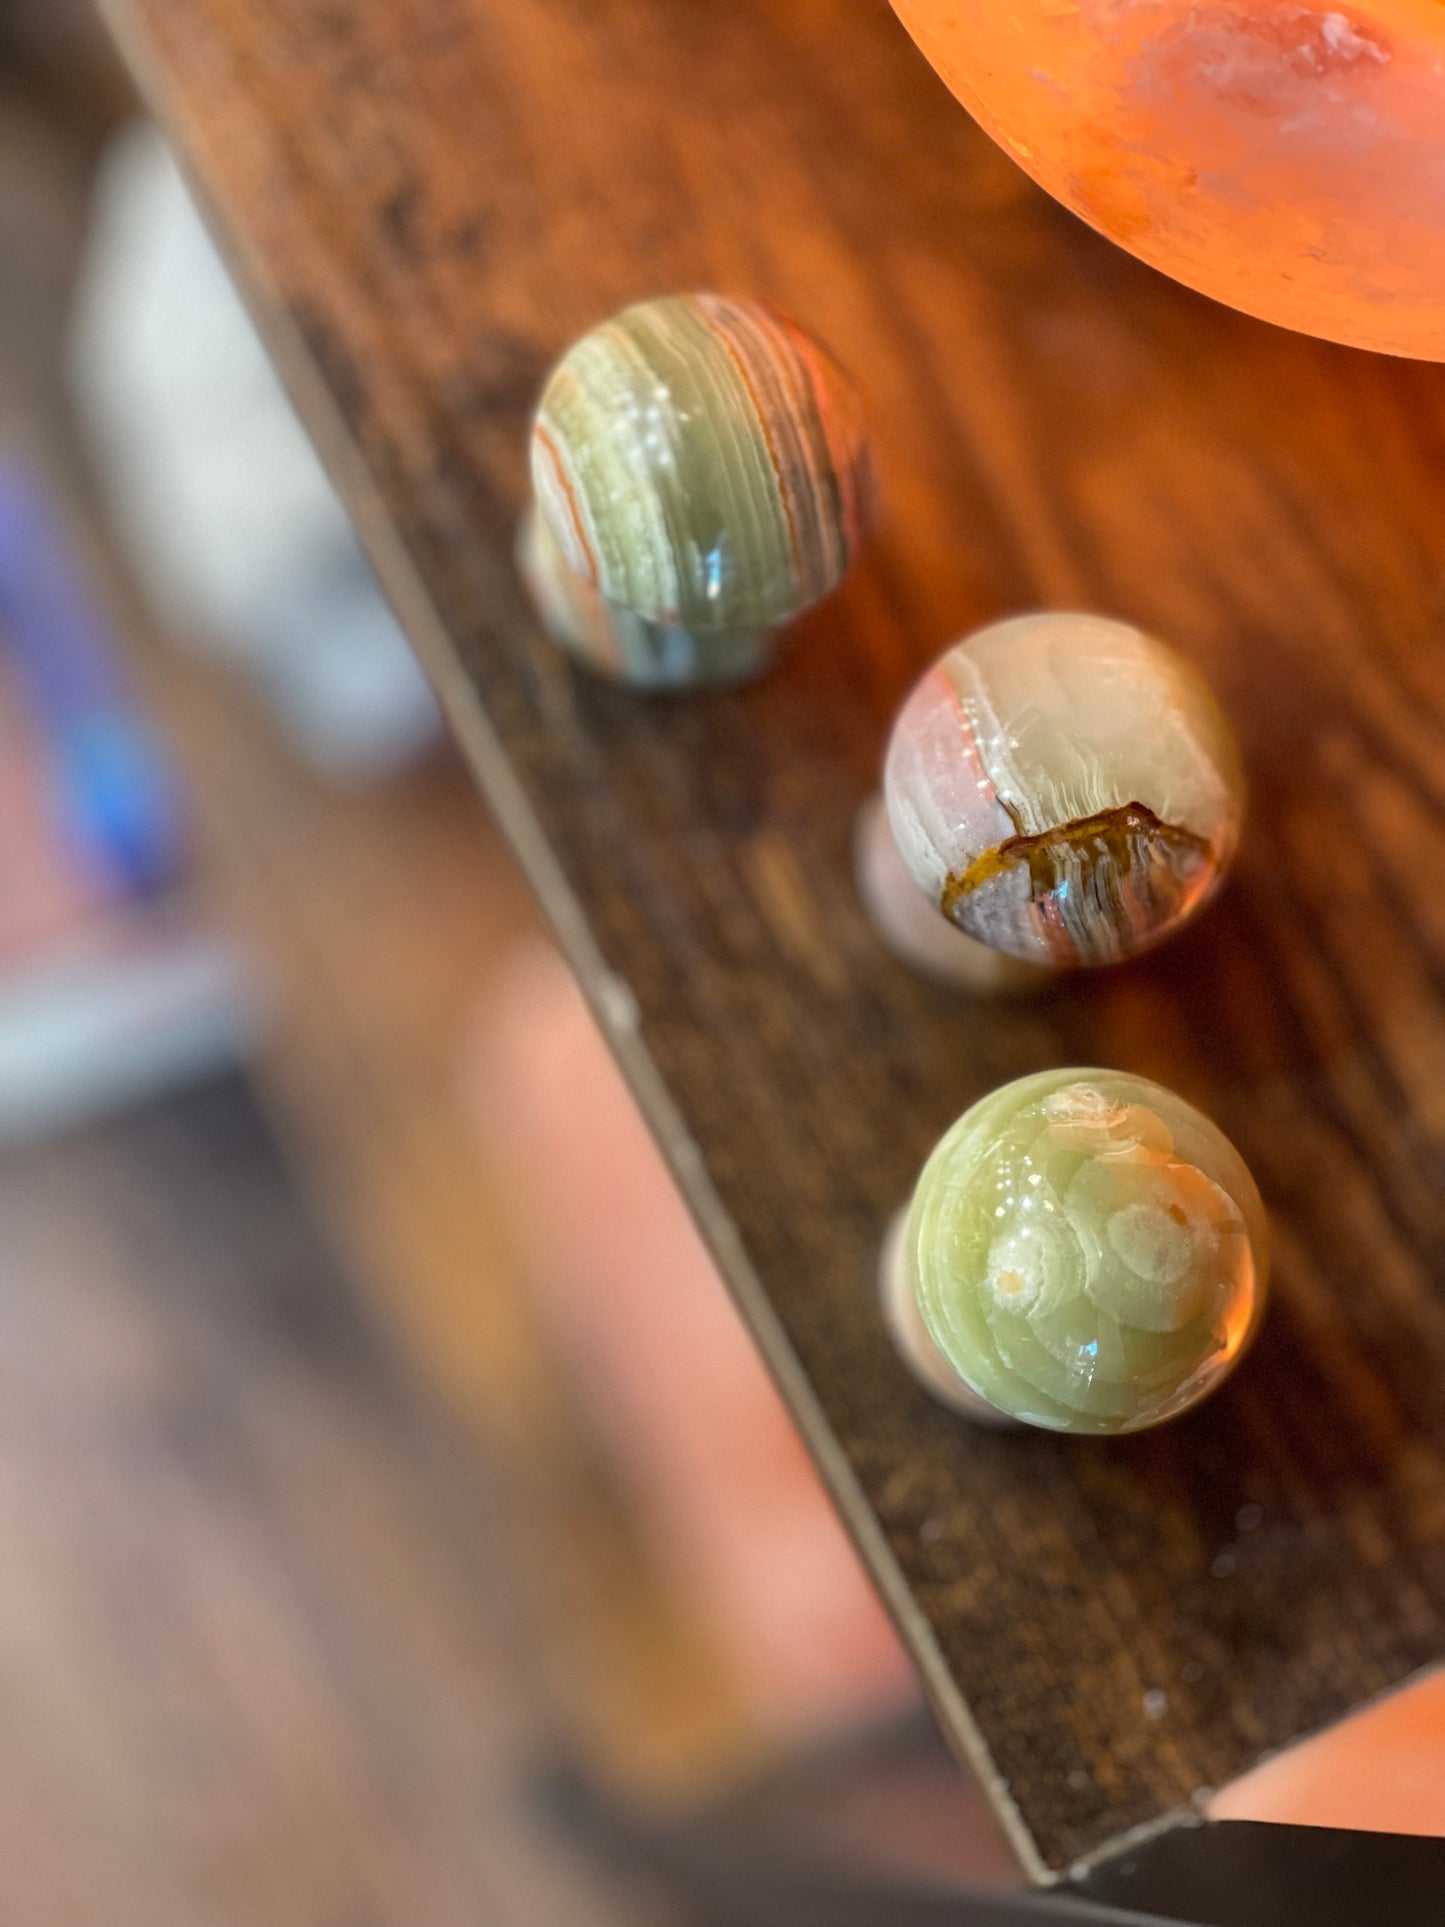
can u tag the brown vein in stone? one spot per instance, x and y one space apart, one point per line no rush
1109 836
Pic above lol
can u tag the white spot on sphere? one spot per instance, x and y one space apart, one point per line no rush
1152 1243
1341 36
1023 1266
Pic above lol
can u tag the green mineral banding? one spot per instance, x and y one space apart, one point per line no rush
702 463
626 647
1089 1252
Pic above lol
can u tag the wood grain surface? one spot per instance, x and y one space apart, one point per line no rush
426 199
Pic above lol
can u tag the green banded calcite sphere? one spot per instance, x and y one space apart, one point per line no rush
702 464
615 642
1089 1253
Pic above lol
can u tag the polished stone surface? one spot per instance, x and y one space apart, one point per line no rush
1089 1252
914 932
1286 158
613 642
703 463
1064 788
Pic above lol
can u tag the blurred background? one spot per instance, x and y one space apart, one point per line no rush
395 1524
362 1383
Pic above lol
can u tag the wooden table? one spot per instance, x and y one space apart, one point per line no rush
426 199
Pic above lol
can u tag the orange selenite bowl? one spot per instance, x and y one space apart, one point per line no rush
1286 158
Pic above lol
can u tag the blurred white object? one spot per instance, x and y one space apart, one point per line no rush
229 518
120 1014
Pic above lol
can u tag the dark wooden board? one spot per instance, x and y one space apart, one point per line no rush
427 198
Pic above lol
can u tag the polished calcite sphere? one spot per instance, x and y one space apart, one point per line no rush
624 647
1089 1253
1064 788
912 929
1286 158
702 467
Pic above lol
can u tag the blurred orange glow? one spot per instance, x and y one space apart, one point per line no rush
1286 158
1382 1771
667 1375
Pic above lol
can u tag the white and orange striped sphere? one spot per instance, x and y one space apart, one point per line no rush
703 463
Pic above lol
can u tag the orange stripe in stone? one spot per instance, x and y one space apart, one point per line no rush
844 441
794 539
554 457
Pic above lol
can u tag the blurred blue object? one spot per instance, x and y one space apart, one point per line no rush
118 800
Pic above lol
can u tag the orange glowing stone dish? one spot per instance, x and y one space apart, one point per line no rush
1286 158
